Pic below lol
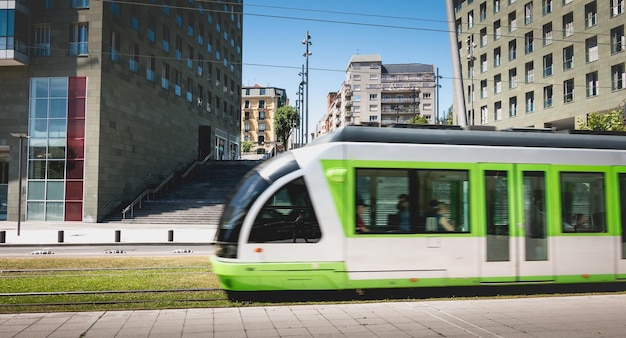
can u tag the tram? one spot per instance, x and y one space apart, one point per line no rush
365 208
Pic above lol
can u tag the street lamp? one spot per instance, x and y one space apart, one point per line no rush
415 96
22 137
397 113
307 43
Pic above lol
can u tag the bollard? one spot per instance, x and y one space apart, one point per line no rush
60 236
170 235
118 235
3 236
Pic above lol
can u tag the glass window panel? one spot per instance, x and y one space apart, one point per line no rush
77 86
75 128
58 87
39 87
56 170
36 190
55 191
38 128
497 215
39 153
76 107
583 202
35 211
39 108
73 211
58 108
74 190
37 170
535 216
56 152
57 128
56 142
54 211
75 149
75 169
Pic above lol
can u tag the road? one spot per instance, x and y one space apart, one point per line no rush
134 250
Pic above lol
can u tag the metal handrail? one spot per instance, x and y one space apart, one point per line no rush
195 164
140 198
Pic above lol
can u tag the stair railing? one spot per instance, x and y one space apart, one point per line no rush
195 165
146 194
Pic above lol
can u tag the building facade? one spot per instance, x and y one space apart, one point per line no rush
112 97
540 63
382 94
258 106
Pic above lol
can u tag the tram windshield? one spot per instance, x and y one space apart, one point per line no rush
247 191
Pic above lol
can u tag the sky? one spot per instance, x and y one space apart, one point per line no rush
400 31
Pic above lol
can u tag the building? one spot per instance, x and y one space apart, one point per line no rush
540 63
113 97
258 106
382 94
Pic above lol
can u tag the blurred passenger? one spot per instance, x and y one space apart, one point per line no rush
360 209
403 212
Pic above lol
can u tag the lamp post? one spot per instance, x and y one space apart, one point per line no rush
307 43
415 95
397 113
437 77
22 137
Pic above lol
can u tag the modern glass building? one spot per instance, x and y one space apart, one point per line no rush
110 98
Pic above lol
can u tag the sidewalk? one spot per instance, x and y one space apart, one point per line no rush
35 233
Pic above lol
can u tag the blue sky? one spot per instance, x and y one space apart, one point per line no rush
400 31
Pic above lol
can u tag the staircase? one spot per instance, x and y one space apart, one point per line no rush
198 200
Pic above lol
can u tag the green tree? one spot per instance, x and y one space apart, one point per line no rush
418 119
246 146
611 121
449 118
285 119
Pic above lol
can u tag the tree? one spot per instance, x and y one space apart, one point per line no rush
449 119
285 119
418 119
246 146
611 121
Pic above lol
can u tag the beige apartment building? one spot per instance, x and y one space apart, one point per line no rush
110 98
540 63
258 105
383 94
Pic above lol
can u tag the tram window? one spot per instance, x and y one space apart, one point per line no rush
413 201
497 215
583 204
622 197
287 217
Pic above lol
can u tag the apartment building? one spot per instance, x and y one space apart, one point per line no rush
110 98
258 106
383 94
540 63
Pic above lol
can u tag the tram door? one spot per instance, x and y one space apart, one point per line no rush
515 222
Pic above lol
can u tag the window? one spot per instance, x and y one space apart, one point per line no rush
261 140
568 24
261 126
261 104
547 34
373 97
583 202
483 37
484 115
165 45
134 17
483 63
547 65
496 6
513 106
530 102
512 78
262 115
528 13
114 50
591 14
497 57
546 6
591 49
80 4
246 105
497 215
150 68
189 95
42 40
497 109
470 19
483 89
442 196
178 80
618 77
115 9
246 126
373 118
179 48
568 90
151 33
133 57
529 69
547 96
512 50
528 42
497 32
592 84
287 217
483 11
618 40
617 7
79 37
356 77
497 84
165 76
512 22
568 57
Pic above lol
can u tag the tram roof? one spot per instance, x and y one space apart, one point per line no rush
455 135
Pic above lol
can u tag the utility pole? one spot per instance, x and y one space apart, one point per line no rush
307 43
437 77
471 58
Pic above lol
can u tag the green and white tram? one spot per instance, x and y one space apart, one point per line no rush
525 207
